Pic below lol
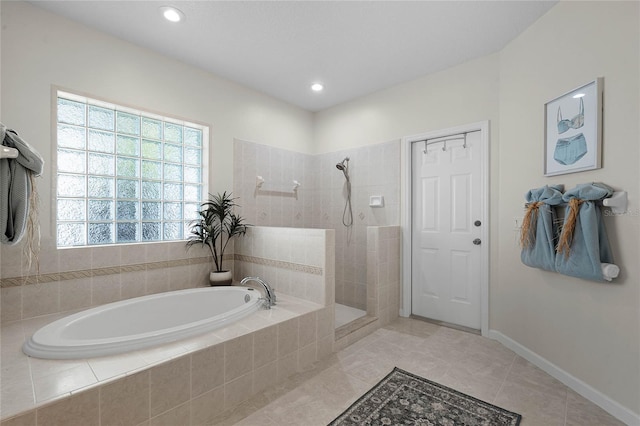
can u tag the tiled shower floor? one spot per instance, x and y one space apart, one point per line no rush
345 314
478 366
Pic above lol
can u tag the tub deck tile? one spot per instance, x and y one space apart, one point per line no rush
29 383
108 367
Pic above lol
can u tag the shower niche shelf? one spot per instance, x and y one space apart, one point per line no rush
376 201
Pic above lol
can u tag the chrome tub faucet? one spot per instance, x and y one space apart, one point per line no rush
269 293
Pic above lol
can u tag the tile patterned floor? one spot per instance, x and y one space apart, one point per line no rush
466 362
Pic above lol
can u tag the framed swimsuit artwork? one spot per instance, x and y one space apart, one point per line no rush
573 130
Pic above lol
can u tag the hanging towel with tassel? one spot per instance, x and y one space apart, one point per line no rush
583 246
16 186
539 232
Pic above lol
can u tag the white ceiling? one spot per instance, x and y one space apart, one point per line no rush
280 48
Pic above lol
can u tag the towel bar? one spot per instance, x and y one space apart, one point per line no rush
282 187
618 202
8 152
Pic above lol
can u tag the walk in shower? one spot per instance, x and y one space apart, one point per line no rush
327 198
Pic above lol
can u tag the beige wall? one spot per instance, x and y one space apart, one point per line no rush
40 49
463 94
588 329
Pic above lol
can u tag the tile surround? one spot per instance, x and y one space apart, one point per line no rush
383 272
280 264
297 267
126 401
374 170
88 273
304 269
383 285
36 295
184 376
196 378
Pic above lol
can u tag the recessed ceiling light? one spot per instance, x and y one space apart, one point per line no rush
317 87
578 95
172 14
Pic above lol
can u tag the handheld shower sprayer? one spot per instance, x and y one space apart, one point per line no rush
343 166
347 219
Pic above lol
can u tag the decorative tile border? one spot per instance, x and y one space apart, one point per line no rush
157 265
308 269
88 273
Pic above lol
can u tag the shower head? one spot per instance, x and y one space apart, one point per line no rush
343 165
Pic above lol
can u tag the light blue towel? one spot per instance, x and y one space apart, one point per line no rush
589 245
541 253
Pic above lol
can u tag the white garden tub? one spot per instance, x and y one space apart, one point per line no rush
141 322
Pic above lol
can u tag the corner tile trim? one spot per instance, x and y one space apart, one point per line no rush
88 273
308 269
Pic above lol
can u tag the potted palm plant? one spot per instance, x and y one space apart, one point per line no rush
215 227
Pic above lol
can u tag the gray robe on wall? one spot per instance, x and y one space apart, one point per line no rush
15 186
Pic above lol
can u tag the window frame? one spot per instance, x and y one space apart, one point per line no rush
88 99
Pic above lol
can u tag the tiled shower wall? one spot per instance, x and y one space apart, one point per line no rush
298 262
275 204
383 273
319 201
383 285
374 170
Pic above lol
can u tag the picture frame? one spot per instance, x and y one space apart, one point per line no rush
573 130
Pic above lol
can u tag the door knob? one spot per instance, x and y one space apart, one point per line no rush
477 241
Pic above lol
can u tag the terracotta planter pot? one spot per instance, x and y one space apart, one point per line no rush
220 278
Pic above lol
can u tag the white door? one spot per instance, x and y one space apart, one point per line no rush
446 230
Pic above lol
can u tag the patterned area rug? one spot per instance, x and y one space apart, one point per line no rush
403 398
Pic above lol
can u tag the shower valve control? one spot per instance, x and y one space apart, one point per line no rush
477 223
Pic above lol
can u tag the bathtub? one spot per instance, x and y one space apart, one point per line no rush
133 324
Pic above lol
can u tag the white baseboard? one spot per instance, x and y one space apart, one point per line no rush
612 407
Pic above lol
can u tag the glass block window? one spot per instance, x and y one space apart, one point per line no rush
124 175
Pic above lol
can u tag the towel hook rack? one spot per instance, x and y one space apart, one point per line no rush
444 139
